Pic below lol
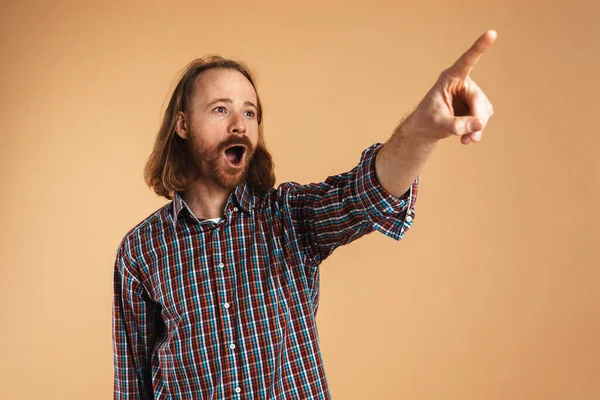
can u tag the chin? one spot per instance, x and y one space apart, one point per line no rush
232 179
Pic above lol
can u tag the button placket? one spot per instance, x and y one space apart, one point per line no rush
223 276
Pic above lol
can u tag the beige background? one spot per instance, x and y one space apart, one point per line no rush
494 293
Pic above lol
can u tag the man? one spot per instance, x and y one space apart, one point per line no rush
216 292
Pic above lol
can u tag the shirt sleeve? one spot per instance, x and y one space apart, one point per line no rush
344 207
133 331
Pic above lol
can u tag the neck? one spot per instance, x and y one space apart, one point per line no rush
206 199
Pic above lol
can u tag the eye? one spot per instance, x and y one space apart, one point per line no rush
220 109
250 113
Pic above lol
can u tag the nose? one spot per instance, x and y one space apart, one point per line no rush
237 125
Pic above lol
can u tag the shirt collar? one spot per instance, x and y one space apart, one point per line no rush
242 195
178 205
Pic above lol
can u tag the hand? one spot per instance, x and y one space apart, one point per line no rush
455 105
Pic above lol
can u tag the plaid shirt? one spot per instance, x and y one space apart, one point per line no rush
226 310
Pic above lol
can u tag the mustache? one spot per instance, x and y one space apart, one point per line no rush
236 141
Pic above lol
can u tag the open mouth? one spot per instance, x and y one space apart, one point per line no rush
234 155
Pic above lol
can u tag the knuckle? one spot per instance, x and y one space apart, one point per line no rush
456 126
444 75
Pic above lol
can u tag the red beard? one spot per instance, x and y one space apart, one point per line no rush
212 163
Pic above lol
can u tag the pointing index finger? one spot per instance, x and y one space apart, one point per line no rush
463 66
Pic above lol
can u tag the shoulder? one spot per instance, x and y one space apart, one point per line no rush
154 225
282 195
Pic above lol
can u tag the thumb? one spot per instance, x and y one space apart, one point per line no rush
463 125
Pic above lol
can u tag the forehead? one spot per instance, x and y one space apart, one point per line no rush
223 83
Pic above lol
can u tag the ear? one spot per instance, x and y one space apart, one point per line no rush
182 126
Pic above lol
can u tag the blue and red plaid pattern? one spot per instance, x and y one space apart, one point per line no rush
226 310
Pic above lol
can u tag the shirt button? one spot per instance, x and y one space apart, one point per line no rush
237 390
221 265
235 208
232 346
408 218
226 305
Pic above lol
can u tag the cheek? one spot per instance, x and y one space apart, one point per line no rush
206 133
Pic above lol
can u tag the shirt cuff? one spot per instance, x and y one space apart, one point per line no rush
389 214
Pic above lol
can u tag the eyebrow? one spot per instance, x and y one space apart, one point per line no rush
229 101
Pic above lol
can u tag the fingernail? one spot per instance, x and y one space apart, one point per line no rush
475 125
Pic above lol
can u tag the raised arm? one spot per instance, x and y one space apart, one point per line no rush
455 106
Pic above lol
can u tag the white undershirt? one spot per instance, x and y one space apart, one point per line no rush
215 220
